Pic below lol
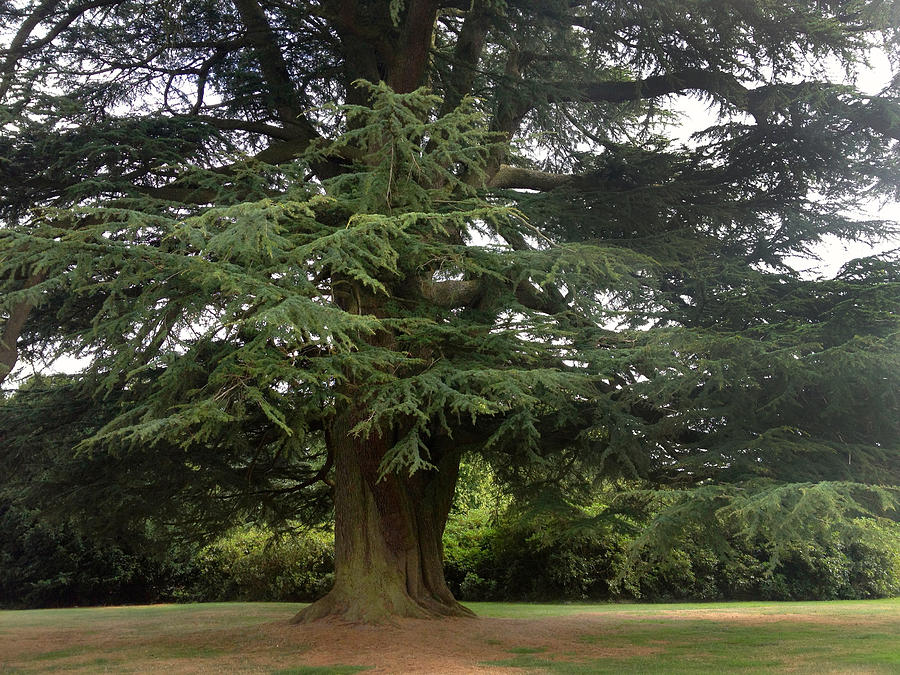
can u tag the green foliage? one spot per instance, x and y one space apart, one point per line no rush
489 555
45 566
263 233
555 557
477 489
248 564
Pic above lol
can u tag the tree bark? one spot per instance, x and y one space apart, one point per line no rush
388 532
12 328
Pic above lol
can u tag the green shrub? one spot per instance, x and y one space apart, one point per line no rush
860 560
53 566
497 558
45 565
487 558
248 564
469 554
875 560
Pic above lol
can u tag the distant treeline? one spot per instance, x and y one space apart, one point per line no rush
489 556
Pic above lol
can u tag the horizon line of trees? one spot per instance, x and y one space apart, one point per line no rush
494 551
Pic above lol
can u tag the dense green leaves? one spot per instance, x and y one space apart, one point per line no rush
459 229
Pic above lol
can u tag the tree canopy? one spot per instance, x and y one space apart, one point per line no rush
312 252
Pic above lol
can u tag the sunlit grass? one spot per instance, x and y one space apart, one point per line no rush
831 608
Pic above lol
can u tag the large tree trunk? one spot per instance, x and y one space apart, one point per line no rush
388 550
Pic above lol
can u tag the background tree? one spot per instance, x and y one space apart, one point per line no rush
318 249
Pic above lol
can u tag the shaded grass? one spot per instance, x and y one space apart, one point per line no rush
211 614
145 638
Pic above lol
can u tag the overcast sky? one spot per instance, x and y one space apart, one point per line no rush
834 253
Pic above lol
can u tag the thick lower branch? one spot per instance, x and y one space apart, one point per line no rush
453 293
513 177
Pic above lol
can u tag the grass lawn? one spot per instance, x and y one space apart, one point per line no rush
820 637
739 637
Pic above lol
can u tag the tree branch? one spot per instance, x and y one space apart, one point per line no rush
451 294
278 152
252 126
411 55
466 55
617 91
878 115
547 300
18 48
528 179
512 107
9 335
274 68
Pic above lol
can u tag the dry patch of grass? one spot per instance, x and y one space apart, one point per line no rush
255 637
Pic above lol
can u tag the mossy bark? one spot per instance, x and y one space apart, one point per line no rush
388 532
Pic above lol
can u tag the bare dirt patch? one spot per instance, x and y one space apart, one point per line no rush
456 645
451 646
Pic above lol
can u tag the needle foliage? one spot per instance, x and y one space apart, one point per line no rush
311 247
